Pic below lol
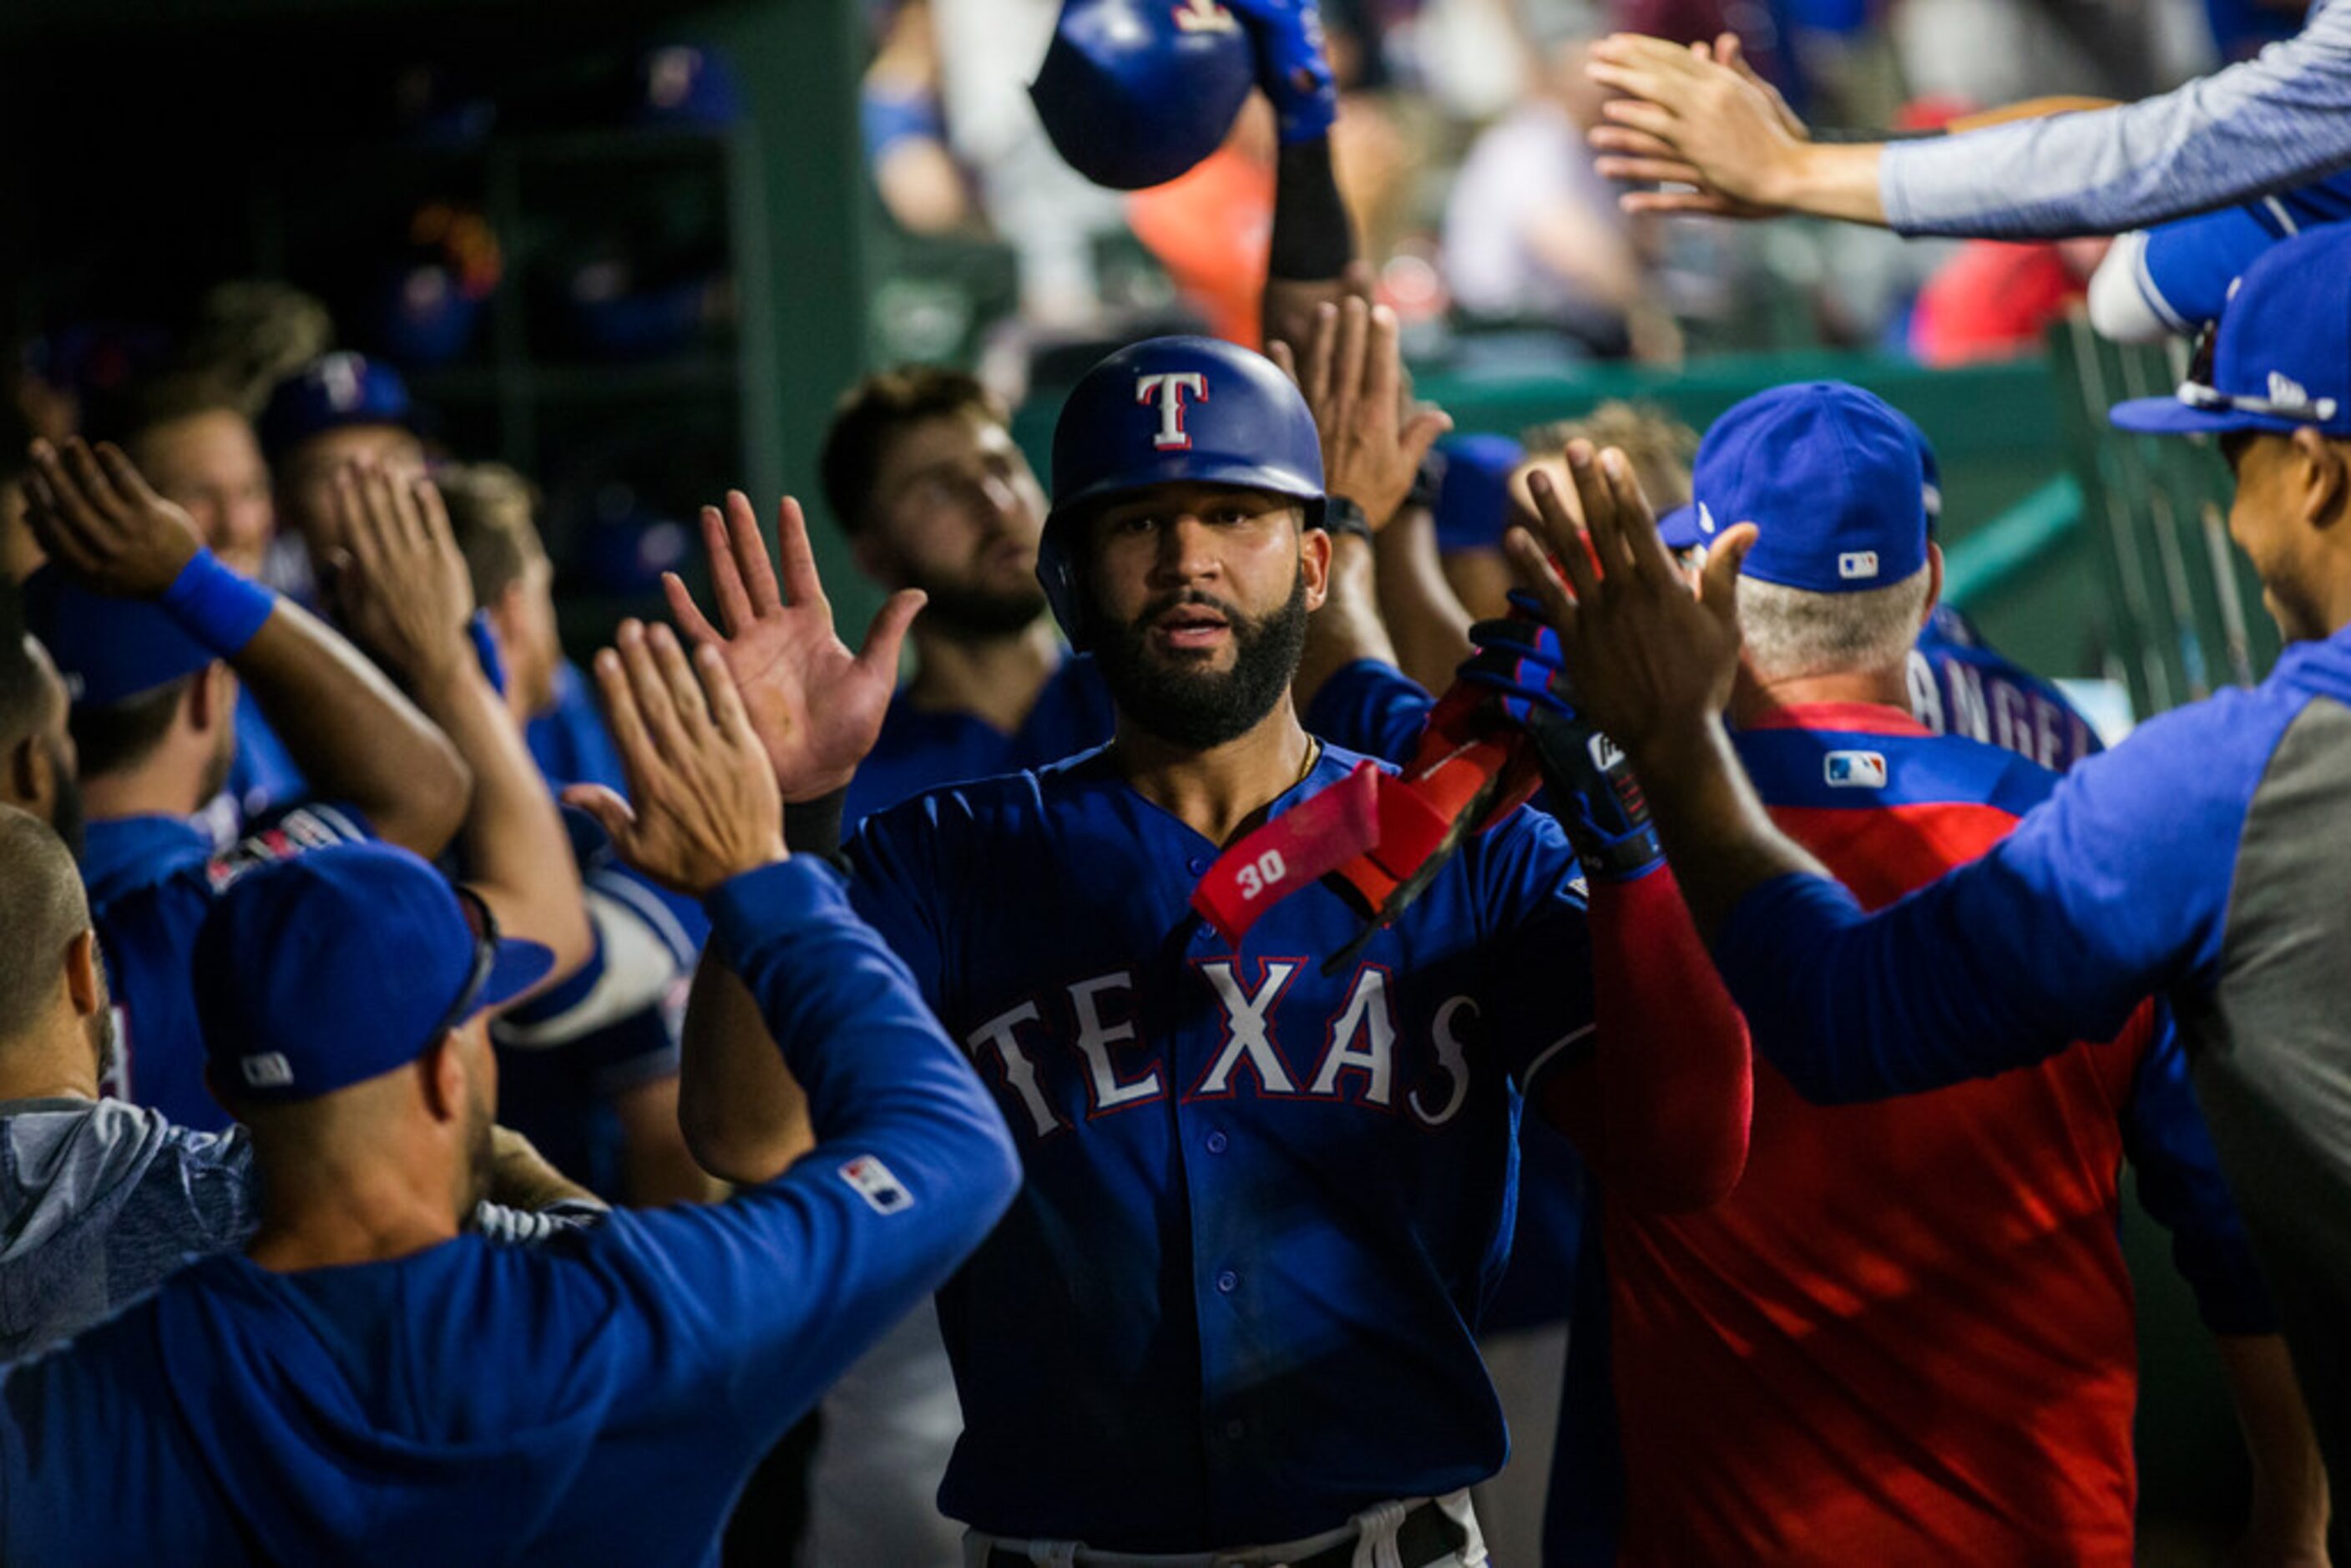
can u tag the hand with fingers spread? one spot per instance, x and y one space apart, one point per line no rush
98 519
816 707
1373 438
702 806
1696 116
1647 660
400 584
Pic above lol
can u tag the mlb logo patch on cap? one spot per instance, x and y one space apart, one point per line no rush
1855 769
872 1181
1857 564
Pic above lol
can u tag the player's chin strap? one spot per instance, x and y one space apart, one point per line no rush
1498 734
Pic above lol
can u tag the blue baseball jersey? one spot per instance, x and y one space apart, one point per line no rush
922 749
601 1397
1374 708
2204 858
150 881
1266 1206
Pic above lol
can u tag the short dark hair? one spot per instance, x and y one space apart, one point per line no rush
168 398
117 736
42 910
878 408
491 513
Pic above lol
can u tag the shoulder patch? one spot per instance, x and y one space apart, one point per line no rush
1854 769
877 1185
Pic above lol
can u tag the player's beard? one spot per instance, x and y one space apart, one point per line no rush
1201 709
979 614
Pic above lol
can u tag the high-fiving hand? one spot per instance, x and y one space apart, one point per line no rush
1699 116
99 520
702 804
400 584
1646 659
1373 438
815 706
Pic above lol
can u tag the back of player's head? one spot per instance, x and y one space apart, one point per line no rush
1660 447
871 413
42 910
493 514
341 965
126 666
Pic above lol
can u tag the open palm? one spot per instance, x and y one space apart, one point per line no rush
816 707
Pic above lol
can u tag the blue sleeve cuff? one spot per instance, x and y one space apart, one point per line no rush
774 900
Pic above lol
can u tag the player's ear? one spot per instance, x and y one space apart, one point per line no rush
442 1074
1314 552
81 974
26 772
2326 478
212 696
1934 580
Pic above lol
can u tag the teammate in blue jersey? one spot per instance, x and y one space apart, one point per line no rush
367 1384
2202 858
1267 1198
151 625
101 1201
921 473
587 1071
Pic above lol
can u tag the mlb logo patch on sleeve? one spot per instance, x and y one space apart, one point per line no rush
873 1182
1856 769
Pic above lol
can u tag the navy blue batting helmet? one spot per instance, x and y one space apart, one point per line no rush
1134 92
1170 410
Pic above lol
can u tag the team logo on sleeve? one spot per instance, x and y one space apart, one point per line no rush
1855 769
1167 388
872 1180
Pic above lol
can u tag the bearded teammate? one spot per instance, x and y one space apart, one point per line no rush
1265 1205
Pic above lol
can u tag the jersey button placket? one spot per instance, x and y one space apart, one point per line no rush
1227 1283
1218 1143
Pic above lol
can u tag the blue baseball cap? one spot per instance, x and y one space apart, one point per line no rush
331 392
343 964
1473 495
1832 476
107 650
2282 355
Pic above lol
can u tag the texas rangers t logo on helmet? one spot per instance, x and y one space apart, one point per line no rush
1170 387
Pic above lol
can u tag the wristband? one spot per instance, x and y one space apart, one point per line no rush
216 606
486 650
1342 516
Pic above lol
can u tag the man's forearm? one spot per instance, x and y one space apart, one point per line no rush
520 1178
1831 180
1717 835
1423 615
746 1118
1347 628
517 854
2290 1503
355 737
1313 242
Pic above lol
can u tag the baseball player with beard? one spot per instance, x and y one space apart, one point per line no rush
1232 1310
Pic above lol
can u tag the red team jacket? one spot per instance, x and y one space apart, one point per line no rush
1907 1336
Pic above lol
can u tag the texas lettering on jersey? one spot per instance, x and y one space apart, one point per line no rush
1355 1061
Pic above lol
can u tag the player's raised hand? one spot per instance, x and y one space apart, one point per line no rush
1645 657
1374 438
702 804
400 583
96 515
816 707
1689 117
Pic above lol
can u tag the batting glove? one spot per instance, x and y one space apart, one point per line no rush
1293 68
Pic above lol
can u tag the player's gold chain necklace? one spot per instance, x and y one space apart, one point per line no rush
1313 756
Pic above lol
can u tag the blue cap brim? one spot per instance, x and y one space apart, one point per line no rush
1680 528
519 965
2169 416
